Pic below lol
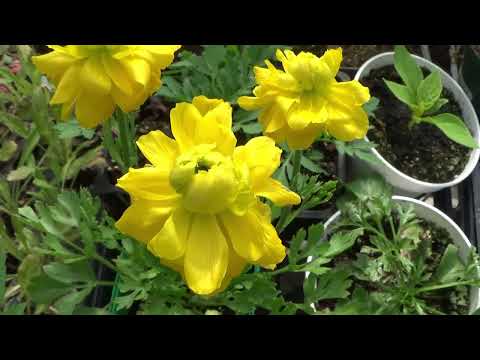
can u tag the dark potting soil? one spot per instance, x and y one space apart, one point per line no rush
423 152
450 301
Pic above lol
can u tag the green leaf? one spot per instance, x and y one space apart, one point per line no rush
66 304
71 129
361 303
72 273
429 90
371 106
454 128
44 290
332 285
310 165
360 149
14 124
80 162
7 150
477 312
30 268
316 267
450 268
15 309
252 128
85 310
20 173
436 107
370 188
342 241
401 92
3 272
214 55
408 69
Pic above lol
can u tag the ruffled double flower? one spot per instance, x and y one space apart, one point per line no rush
198 206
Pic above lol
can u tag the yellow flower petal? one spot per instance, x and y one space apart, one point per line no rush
149 183
92 109
93 77
126 102
347 123
275 252
236 265
351 92
171 240
67 88
261 156
138 68
184 120
206 257
143 219
303 139
204 105
119 75
332 58
159 149
215 128
54 64
276 192
245 234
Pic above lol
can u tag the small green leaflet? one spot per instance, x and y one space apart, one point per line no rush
371 106
334 284
401 92
71 129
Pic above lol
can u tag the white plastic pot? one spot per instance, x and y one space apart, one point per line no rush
404 184
431 214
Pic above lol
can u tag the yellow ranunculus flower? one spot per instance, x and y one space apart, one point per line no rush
96 78
304 100
197 206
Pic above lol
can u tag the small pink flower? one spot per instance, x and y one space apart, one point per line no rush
4 89
15 66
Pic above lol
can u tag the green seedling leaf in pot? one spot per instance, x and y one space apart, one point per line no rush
408 69
429 90
436 107
402 93
423 97
454 128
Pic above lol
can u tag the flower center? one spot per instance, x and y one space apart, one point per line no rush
207 180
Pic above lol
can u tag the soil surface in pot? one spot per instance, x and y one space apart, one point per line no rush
423 152
450 301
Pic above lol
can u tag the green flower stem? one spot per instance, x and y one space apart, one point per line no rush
444 286
297 160
98 258
122 150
